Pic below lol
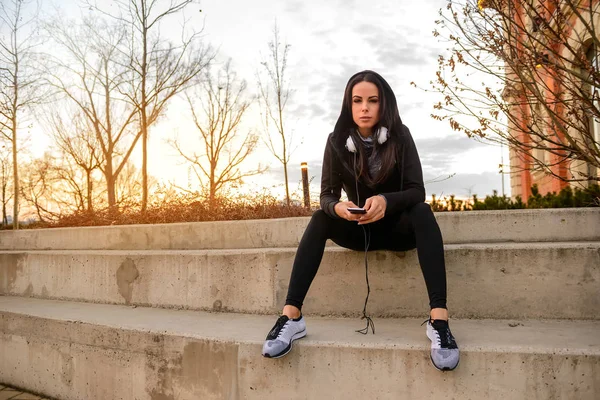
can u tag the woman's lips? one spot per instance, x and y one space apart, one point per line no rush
365 118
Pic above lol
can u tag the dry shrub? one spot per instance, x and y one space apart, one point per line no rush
189 207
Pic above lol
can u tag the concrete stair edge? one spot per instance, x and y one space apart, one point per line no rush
144 353
510 280
457 227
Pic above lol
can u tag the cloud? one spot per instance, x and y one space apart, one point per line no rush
465 185
320 96
294 6
437 156
439 153
454 144
407 105
395 40
317 111
393 49
402 56
316 108
343 38
400 44
461 185
334 92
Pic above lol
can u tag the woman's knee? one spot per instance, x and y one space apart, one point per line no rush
320 219
319 215
421 210
318 227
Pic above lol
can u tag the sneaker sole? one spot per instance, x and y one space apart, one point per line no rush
443 369
297 336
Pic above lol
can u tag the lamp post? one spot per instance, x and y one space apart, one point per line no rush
502 166
304 169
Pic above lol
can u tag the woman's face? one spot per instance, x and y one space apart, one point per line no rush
365 107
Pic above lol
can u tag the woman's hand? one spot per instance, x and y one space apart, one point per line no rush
341 209
375 207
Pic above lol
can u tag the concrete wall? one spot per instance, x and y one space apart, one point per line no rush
577 224
79 360
484 280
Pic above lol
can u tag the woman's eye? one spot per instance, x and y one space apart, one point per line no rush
357 100
373 100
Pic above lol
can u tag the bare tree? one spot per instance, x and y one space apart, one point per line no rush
129 186
222 103
81 154
540 75
158 68
6 194
39 187
19 89
274 92
91 76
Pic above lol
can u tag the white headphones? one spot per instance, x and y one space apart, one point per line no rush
382 136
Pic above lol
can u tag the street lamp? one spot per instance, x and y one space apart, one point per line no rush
304 169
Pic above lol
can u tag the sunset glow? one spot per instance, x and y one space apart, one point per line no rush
328 43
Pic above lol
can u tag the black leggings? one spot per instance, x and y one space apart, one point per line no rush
415 227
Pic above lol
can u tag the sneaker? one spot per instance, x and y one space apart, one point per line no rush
280 339
444 350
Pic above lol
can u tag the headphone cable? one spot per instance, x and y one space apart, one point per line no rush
370 323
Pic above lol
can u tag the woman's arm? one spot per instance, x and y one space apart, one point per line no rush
331 182
413 189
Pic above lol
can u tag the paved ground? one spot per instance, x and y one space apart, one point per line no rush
7 393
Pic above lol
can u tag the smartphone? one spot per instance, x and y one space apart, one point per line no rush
357 210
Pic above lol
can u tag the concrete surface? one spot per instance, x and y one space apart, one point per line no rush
11 393
93 351
70 350
502 280
574 224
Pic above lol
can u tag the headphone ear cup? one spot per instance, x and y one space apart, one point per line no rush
382 135
350 145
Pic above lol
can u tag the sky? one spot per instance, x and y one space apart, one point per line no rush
330 41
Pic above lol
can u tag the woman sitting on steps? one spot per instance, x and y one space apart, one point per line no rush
373 157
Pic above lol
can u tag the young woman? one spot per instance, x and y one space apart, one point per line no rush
372 156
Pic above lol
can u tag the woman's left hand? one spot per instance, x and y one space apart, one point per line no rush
375 207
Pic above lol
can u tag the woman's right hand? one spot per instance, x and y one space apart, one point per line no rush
341 209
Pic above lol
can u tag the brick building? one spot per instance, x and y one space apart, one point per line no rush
524 173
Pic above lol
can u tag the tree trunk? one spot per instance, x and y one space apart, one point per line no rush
287 190
90 206
144 161
284 140
285 161
15 177
110 188
211 198
212 188
4 216
143 112
14 142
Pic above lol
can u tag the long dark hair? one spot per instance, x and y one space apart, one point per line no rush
388 117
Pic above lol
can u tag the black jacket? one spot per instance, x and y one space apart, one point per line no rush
403 189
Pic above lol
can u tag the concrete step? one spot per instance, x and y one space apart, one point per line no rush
500 280
92 351
12 393
569 224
